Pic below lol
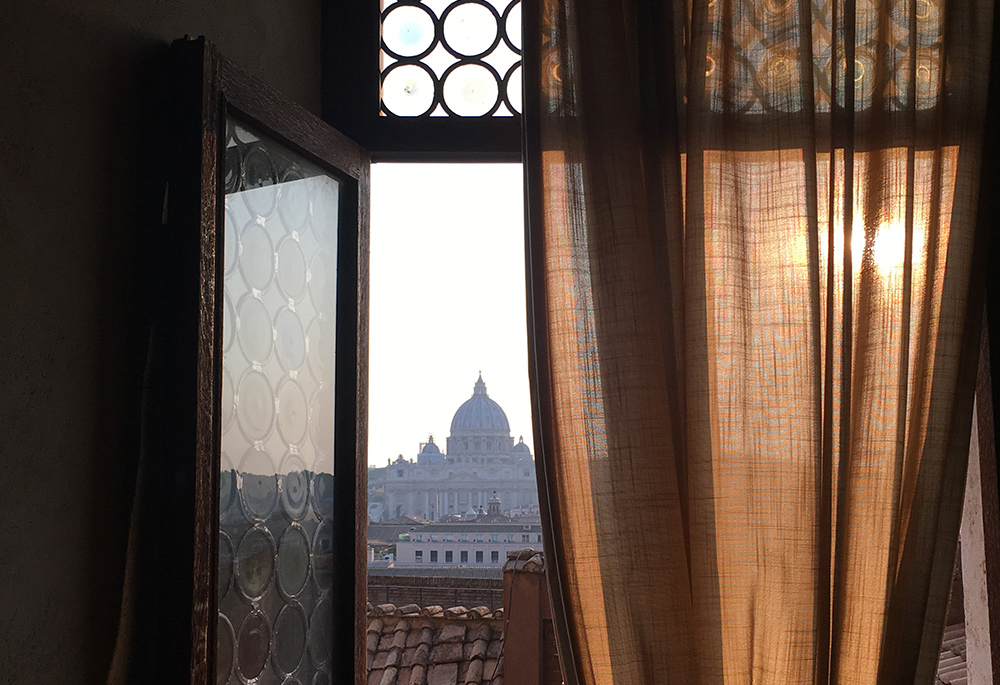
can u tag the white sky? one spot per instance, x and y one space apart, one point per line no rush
447 300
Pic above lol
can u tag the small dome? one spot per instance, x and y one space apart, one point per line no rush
430 453
480 414
521 448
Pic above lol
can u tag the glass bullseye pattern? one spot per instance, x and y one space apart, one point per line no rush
752 66
276 499
459 58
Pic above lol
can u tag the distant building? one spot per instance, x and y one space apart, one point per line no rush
476 542
480 458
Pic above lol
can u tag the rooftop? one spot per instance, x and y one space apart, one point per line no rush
434 646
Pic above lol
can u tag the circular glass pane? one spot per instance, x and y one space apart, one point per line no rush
231 240
291 269
289 639
253 645
255 405
226 558
256 256
514 89
321 420
322 551
254 329
290 339
322 495
294 487
227 400
321 632
224 650
408 30
322 280
293 561
227 484
325 207
320 347
228 324
470 29
293 200
293 417
258 483
259 181
408 90
471 90
255 562
513 25
234 169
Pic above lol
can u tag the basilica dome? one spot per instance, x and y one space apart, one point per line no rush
480 415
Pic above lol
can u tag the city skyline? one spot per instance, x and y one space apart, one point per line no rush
447 300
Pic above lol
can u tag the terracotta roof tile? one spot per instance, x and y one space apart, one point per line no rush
443 674
434 646
453 632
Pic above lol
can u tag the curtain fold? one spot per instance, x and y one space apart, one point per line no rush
751 248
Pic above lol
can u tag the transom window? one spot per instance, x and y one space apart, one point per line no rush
444 58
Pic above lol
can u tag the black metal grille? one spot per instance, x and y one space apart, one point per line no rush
450 59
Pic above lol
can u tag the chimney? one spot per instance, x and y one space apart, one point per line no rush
530 656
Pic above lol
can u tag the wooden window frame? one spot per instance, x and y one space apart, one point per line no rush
180 585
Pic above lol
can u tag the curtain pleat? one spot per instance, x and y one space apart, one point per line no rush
751 250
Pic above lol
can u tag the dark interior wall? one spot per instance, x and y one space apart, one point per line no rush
75 83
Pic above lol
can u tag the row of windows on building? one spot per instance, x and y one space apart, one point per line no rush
479 537
449 557
526 473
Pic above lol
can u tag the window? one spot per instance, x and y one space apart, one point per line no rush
525 538
434 537
399 473
538 538
293 173
463 538
463 557
527 473
495 538
420 537
448 556
418 556
448 537
495 557
434 556
478 537
508 538
479 557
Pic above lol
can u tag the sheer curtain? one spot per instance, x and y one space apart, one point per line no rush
751 252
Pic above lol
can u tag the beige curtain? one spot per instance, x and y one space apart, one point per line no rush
752 233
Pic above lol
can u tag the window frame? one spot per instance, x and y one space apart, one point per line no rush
350 44
204 88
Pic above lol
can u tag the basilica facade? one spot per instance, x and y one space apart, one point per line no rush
480 458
